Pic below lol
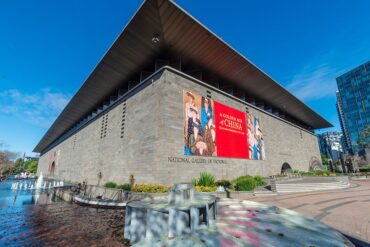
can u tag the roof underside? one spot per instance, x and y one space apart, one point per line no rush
184 35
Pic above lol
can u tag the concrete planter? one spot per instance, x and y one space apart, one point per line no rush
64 193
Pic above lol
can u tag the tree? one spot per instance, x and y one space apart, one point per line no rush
6 168
364 138
18 165
7 156
6 160
31 166
324 160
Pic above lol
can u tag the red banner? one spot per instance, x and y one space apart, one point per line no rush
215 129
231 132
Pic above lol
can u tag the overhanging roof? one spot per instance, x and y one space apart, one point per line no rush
184 35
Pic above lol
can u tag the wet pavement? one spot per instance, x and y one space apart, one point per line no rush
31 219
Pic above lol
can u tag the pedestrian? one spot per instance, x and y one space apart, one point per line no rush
78 189
83 188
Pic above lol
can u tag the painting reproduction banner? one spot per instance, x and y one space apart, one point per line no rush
215 129
256 145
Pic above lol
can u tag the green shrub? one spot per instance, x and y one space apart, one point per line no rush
360 174
223 182
298 171
259 181
312 172
194 181
110 185
151 188
205 179
245 183
364 168
205 188
124 187
318 172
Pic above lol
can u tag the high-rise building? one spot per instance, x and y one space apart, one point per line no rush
331 144
353 104
346 140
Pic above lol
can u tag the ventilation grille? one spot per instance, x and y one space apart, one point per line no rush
246 109
123 119
74 141
104 126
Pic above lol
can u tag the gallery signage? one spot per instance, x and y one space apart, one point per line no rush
195 160
215 129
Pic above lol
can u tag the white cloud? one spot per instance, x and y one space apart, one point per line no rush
317 78
40 108
313 83
8 109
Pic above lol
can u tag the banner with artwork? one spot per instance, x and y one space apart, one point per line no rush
256 146
215 129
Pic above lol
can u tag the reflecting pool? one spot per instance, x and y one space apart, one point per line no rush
38 218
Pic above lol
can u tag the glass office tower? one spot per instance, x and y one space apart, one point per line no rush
330 144
353 104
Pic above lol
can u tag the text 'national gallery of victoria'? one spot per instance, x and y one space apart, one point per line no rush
169 100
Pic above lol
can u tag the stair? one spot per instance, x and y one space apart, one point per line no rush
308 187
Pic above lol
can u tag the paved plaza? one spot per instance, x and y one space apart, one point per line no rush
347 210
63 224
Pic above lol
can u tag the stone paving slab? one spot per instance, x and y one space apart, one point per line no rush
247 223
347 210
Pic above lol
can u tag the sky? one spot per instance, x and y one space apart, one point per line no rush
48 48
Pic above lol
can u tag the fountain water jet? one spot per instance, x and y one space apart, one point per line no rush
39 181
39 184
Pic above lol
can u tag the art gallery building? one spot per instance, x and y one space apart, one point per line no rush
169 100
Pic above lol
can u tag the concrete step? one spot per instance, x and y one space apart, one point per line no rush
337 182
314 186
310 189
307 187
333 184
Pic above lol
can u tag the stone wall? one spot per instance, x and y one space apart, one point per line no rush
85 154
153 134
283 142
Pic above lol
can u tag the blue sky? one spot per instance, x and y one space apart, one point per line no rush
48 48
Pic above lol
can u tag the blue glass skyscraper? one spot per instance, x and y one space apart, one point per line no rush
331 145
353 104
